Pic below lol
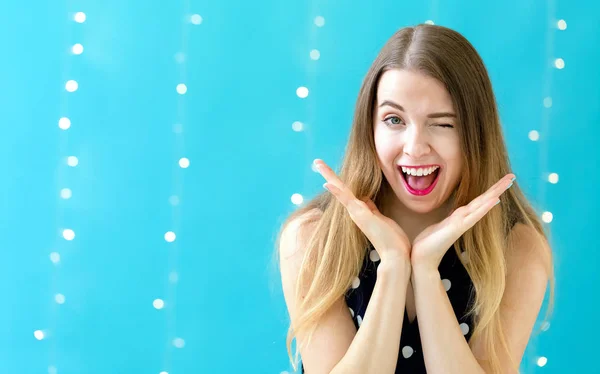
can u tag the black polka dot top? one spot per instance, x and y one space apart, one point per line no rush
457 283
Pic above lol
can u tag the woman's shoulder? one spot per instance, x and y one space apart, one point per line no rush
297 231
305 222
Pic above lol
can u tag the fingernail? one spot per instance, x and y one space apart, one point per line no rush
325 187
498 202
509 186
513 179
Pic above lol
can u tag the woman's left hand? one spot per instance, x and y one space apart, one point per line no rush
430 246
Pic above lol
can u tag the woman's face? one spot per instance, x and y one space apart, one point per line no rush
410 131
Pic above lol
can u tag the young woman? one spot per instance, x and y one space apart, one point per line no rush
423 256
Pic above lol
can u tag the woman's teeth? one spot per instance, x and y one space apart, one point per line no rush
420 171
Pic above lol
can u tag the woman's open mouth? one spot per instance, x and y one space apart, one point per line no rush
420 185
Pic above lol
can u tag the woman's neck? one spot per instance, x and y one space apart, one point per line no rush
413 223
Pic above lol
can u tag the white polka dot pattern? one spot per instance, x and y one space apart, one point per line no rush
374 256
454 278
447 284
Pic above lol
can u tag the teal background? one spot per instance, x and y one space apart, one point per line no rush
242 65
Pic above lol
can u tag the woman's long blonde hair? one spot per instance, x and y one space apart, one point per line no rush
337 248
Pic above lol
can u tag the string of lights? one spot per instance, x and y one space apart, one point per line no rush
65 230
175 340
554 63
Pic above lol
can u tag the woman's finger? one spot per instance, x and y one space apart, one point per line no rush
360 211
355 207
327 173
493 192
370 204
332 188
343 194
501 186
472 218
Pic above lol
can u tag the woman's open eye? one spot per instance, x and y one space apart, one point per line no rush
393 123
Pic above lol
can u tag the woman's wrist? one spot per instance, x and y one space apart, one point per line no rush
397 264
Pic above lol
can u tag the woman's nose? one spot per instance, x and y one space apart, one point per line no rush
416 144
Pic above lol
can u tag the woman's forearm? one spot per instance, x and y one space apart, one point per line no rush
445 349
376 344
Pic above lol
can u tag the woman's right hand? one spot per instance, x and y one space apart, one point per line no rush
390 241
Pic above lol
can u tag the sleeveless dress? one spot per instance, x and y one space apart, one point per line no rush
457 283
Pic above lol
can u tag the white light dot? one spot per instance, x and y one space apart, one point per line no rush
52 370
173 277
196 19
297 199
351 312
55 257
374 256
178 128
355 282
429 22
68 234
184 162
66 193
319 21
39 334
59 298
534 135
407 351
545 326
315 54
447 284
464 328
562 24
181 88
79 17
163 372
72 161
178 343
71 85
297 126
158 303
302 92
77 49
547 217
553 178
547 102
170 236
64 123
559 63
359 320
180 57
174 200
542 361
